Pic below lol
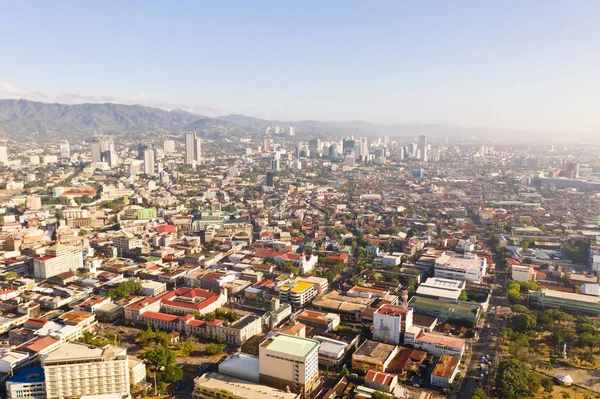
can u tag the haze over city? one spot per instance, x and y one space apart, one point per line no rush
503 64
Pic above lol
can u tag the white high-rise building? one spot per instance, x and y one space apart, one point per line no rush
149 162
193 149
288 361
65 150
75 370
3 154
59 258
169 146
292 131
103 150
423 147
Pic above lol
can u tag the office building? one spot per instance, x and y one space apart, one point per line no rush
390 322
275 165
103 150
441 288
267 145
289 361
461 313
292 131
193 149
468 268
169 146
522 273
217 385
75 370
270 179
435 344
149 162
423 147
59 258
566 301
298 294
65 151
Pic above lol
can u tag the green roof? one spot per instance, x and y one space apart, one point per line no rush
417 301
292 345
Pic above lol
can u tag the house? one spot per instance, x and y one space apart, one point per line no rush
373 355
445 371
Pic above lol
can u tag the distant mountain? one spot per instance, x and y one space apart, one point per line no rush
21 119
248 121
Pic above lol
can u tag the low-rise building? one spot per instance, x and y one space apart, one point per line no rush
445 371
216 385
373 355
239 332
522 273
567 301
435 344
390 322
28 383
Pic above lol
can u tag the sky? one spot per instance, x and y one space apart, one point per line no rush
512 64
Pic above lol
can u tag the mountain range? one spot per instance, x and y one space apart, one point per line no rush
24 119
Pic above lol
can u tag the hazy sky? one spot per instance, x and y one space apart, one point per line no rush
521 64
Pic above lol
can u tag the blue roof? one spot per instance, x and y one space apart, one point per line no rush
29 375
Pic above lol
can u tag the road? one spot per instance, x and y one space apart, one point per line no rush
487 343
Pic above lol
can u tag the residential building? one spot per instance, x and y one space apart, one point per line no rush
381 381
289 361
75 370
319 320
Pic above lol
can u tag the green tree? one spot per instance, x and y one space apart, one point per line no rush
171 373
380 395
479 394
463 296
514 381
125 288
160 357
214 349
513 295
547 384
523 322
565 395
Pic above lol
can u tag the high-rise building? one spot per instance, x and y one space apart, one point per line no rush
292 131
3 154
148 161
193 149
65 150
103 150
59 258
288 361
423 147
275 165
390 322
141 149
34 202
267 145
169 146
75 370
270 179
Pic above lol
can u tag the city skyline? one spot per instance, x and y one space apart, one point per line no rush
488 65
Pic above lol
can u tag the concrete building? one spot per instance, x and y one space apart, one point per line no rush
460 312
441 288
567 301
522 273
373 355
299 294
390 322
193 149
58 259
445 371
468 268
75 370
216 385
237 333
149 161
4 155
289 361
29 383
435 344
169 146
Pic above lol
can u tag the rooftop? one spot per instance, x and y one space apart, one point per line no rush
291 345
28 375
446 366
71 352
417 301
240 388
374 350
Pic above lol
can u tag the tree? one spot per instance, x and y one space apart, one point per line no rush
513 295
565 395
523 322
479 394
171 373
463 296
125 288
514 381
547 384
380 395
160 357
214 349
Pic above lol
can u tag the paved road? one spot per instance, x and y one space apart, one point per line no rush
486 345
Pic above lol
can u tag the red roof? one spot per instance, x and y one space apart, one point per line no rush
37 344
166 228
142 303
192 293
380 377
160 316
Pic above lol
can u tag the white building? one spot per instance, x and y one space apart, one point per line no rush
445 371
390 322
468 268
392 260
441 288
4 155
522 273
75 370
149 162
289 361
58 259
169 146
434 344
27 384
239 332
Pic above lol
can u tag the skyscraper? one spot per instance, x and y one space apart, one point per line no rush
193 149
103 150
148 162
65 150
423 147
3 154
169 146
267 145
270 178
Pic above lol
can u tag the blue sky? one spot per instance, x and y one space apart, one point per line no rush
520 64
